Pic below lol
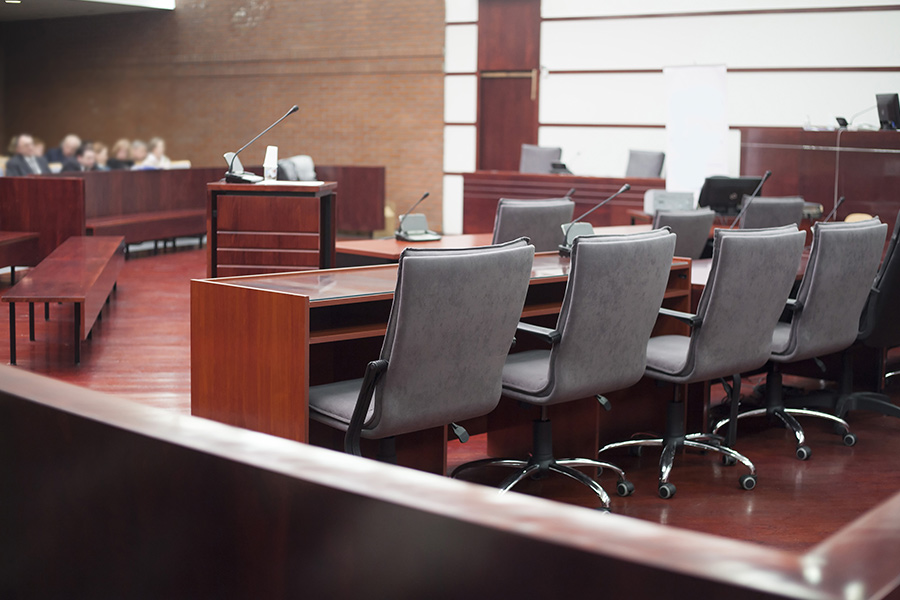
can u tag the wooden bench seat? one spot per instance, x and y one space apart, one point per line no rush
150 226
18 249
83 271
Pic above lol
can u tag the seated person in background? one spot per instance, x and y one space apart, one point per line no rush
67 149
38 146
119 157
137 154
23 160
102 154
156 155
85 160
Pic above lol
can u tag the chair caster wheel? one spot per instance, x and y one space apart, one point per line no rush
636 451
803 452
728 461
839 429
748 482
849 439
666 491
624 488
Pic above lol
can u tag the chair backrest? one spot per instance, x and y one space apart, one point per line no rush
615 288
880 327
751 275
773 212
842 265
452 322
538 159
539 220
644 163
691 226
297 168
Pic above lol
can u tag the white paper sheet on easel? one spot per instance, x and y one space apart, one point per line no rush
696 126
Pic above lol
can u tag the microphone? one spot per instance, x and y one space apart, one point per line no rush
414 228
576 227
750 199
833 212
243 176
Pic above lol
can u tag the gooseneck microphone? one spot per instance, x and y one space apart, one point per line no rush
833 212
414 228
750 199
231 176
576 227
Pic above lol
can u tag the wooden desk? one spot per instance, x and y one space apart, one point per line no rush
269 227
259 342
388 250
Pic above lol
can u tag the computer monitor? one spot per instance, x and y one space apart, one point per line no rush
724 194
888 110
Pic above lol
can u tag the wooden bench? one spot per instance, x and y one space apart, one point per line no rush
18 249
150 226
83 271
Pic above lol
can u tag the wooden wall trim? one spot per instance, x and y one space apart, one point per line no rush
728 13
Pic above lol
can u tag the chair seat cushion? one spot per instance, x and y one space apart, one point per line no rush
781 338
668 354
333 403
526 373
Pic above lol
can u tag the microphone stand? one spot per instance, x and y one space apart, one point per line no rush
750 199
236 177
565 249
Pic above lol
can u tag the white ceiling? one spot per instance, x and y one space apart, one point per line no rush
53 9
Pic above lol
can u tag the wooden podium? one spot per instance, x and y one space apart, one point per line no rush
269 227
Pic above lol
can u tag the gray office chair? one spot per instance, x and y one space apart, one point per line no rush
749 282
879 329
644 163
538 159
297 168
773 212
825 315
539 220
691 226
615 288
452 322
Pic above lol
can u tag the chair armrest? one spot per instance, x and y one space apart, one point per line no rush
551 336
794 305
689 318
374 370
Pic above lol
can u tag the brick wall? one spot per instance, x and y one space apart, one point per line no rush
208 76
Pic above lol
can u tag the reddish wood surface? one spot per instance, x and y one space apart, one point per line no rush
270 227
18 248
161 225
362 196
483 189
254 514
52 207
82 269
804 162
509 35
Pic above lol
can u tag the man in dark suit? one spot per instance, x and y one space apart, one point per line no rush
24 162
85 160
66 150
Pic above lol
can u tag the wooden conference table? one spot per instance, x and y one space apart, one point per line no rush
259 342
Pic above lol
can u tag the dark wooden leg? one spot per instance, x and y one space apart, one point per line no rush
31 321
46 311
12 333
12 275
78 333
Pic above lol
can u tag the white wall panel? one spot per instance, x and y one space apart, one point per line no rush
603 98
460 98
846 39
806 99
453 204
604 8
459 148
461 49
457 11
603 151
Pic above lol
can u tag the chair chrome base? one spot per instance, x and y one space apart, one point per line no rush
700 441
786 416
543 462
